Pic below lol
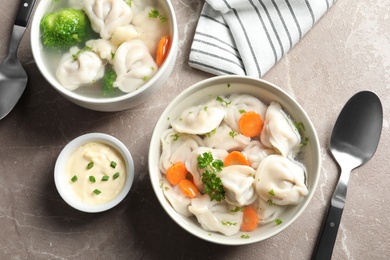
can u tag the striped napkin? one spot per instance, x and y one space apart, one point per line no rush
248 37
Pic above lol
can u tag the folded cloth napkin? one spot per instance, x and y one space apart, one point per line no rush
248 37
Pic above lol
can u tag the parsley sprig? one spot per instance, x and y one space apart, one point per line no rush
212 183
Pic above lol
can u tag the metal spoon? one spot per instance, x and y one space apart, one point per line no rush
13 78
354 140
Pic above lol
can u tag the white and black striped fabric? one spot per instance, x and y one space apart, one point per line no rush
248 37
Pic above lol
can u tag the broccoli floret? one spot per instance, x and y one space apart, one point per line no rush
65 28
108 80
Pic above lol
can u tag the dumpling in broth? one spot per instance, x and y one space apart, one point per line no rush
280 180
279 132
79 67
133 65
107 15
237 181
216 216
201 119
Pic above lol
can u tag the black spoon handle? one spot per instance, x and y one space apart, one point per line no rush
328 234
25 9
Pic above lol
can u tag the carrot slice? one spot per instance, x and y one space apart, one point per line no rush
235 158
250 124
162 49
250 220
176 173
188 188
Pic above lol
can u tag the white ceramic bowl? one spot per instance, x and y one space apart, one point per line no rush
125 101
265 91
62 181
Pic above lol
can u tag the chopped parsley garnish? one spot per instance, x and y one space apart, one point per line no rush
301 128
212 184
237 209
244 236
278 221
113 164
74 178
271 203
271 192
175 137
115 176
242 111
97 192
228 223
223 102
90 165
233 134
92 179
154 13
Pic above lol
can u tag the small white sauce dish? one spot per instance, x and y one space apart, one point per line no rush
63 183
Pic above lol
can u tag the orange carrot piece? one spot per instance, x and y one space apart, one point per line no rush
188 188
176 173
250 124
162 49
235 158
250 220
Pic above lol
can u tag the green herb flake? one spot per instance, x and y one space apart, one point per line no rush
228 223
271 203
245 236
154 13
92 179
97 192
90 165
115 176
74 178
242 111
237 209
278 221
105 178
233 134
113 164
175 137
271 192
223 102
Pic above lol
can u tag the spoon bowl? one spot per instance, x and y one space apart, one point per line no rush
353 142
13 77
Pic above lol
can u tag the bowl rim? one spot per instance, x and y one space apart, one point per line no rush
59 171
199 86
36 49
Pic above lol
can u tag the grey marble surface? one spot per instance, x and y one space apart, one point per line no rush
347 51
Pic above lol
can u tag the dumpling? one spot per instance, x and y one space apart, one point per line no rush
201 119
176 198
279 132
176 147
225 138
192 163
124 34
133 66
216 216
238 181
79 67
240 104
255 152
267 210
105 49
107 15
280 180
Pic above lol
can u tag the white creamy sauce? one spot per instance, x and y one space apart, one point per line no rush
100 171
